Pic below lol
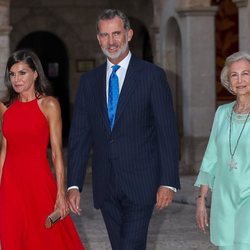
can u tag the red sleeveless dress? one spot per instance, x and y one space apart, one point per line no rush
28 189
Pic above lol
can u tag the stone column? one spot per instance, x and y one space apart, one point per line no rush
155 38
154 31
198 74
4 40
244 24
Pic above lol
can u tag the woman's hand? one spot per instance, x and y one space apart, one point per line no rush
62 205
201 213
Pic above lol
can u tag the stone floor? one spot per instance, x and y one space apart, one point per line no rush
172 229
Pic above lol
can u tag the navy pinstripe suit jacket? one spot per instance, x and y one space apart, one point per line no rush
141 152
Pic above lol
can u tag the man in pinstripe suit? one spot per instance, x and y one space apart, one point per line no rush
135 160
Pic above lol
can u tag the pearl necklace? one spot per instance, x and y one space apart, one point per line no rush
232 163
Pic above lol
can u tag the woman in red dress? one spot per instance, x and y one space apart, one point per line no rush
31 119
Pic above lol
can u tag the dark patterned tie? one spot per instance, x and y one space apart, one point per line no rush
113 95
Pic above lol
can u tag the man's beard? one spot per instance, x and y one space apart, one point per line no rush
120 52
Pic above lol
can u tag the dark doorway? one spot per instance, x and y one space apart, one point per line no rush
140 45
227 42
53 56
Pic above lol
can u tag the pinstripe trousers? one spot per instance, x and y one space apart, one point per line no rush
127 223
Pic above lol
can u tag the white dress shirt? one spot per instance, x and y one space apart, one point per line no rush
121 72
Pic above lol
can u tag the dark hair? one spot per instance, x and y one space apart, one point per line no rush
42 86
110 14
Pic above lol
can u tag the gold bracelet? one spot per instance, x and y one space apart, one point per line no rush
201 196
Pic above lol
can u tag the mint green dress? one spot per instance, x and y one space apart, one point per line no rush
230 206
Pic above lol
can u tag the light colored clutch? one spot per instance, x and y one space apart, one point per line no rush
52 218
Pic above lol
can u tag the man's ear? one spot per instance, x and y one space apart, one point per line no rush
97 36
130 34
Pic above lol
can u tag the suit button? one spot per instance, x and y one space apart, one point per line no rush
111 141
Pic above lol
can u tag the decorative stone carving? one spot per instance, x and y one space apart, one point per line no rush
4 2
241 3
194 3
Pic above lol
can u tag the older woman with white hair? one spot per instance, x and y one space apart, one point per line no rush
225 168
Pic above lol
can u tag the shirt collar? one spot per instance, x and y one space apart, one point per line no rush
124 63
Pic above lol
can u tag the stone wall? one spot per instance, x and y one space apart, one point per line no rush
192 50
4 40
74 23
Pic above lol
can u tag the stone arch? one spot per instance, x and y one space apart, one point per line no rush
141 42
55 66
45 22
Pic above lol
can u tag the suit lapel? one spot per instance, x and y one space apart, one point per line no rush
101 95
128 87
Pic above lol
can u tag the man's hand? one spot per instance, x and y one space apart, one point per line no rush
73 197
164 197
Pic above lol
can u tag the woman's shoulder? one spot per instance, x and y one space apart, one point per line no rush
3 108
225 107
223 111
49 104
48 101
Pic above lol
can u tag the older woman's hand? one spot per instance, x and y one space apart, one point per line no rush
201 213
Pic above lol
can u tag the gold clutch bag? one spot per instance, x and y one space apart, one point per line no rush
52 218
